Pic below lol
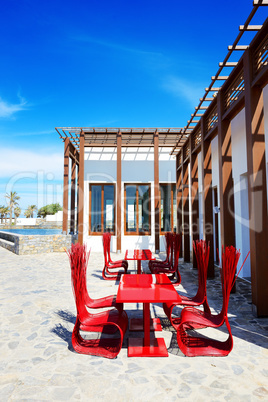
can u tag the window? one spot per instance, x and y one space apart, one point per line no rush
137 209
168 212
101 208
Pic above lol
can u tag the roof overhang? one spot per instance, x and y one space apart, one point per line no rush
130 137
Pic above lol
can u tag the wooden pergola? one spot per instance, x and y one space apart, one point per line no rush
76 139
241 89
227 94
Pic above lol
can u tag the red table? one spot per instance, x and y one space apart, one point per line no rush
146 289
139 256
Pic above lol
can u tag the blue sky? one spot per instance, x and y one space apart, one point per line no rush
101 64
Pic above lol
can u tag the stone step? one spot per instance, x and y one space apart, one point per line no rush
9 245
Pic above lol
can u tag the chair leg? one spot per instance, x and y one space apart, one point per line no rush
107 277
104 347
201 346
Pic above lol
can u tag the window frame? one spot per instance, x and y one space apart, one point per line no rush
102 208
162 232
137 233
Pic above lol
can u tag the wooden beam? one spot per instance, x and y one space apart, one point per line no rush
186 221
212 89
220 77
238 47
66 186
225 176
73 180
157 200
179 197
228 64
250 27
194 199
118 191
80 225
257 189
260 3
226 186
207 197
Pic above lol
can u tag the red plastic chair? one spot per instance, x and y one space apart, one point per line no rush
110 321
167 263
173 270
103 302
201 250
192 318
108 263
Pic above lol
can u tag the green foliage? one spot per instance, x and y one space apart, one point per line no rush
17 211
13 199
50 209
29 213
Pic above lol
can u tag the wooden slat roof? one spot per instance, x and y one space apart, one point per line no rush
131 137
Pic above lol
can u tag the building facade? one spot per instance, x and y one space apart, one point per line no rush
208 180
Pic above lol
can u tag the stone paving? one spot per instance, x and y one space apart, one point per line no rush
38 363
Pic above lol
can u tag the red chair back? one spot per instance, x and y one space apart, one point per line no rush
202 250
176 251
106 240
78 257
169 247
230 257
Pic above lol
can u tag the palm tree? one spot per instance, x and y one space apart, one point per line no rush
13 198
3 213
17 212
30 211
27 214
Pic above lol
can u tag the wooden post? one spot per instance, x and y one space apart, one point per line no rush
80 224
257 191
226 187
65 185
118 191
195 201
225 177
156 192
207 197
179 198
73 180
185 202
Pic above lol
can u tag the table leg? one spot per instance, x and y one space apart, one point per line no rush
146 346
146 323
138 266
136 324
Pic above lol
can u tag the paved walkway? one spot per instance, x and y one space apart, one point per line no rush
38 363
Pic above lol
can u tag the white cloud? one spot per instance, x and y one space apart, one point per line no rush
183 89
115 46
7 110
29 163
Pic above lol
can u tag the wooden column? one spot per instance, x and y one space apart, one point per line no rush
66 185
80 224
207 197
226 187
179 198
256 189
118 191
185 202
194 200
156 192
225 177
73 180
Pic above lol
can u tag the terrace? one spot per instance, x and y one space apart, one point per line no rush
231 116
38 361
